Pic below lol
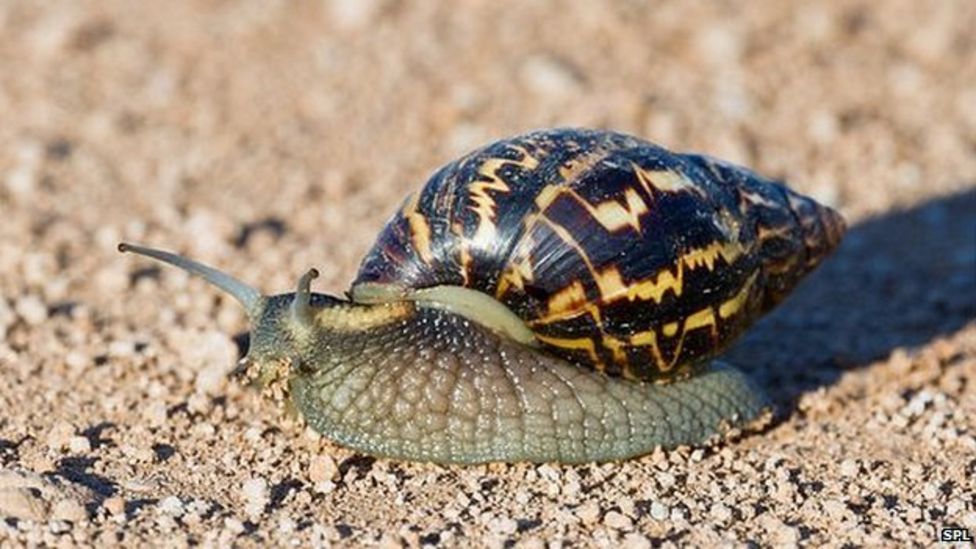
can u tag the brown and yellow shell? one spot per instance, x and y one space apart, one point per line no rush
617 253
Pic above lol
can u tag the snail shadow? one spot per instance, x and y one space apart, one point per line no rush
898 280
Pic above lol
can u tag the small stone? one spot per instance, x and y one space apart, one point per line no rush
69 510
721 512
786 535
198 507
31 309
666 480
255 492
155 412
79 445
659 511
322 468
286 525
204 430
835 509
21 503
171 506
634 540
60 435
917 405
233 525
502 525
211 380
617 521
954 507
589 512
59 527
531 543
198 403
76 360
122 349
324 487
114 505
849 468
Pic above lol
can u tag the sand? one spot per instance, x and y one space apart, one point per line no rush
267 137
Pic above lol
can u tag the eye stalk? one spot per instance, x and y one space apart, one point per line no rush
301 306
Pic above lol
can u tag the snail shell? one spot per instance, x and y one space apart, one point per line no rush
617 254
556 296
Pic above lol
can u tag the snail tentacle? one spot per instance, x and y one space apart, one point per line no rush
301 306
246 295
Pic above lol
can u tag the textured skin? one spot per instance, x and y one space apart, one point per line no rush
436 387
619 254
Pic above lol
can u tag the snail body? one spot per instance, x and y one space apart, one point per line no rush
556 296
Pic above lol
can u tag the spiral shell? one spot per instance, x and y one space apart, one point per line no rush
618 254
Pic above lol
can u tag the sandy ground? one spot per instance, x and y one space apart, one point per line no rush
268 136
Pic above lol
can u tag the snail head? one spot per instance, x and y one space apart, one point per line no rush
283 326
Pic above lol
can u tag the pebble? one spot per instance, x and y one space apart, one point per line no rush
31 309
720 512
114 505
79 445
666 480
531 543
59 435
205 430
155 413
198 507
849 468
322 468
122 349
171 505
502 525
617 521
69 510
255 492
59 527
212 379
835 509
917 404
325 487
76 360
22 503
589 512
286 525
634 540
659 511
233 525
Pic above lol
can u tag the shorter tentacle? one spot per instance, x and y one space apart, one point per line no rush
301 306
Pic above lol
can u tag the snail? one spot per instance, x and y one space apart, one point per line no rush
556 296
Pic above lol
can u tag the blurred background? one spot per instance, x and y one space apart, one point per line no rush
268 136
180 123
